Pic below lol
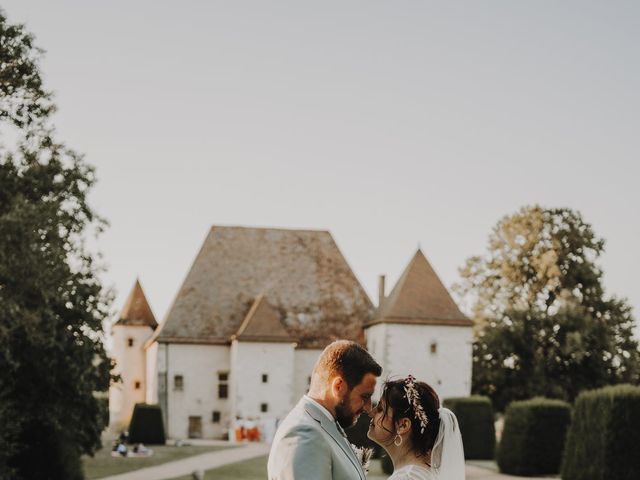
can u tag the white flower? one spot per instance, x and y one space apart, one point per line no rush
363 455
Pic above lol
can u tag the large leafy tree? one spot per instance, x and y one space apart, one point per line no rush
53 366
544 325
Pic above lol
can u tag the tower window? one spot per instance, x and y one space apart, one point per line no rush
223 390
137 385
178 382
130 341
265 378
264 407
433 348
223 384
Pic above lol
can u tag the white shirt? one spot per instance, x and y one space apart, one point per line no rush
322 409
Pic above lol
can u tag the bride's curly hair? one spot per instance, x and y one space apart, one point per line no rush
394 397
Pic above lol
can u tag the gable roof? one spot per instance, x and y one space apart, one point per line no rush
301 272
136 311
419 297
262 324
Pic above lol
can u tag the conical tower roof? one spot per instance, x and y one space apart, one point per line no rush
420 298
263 324
136 311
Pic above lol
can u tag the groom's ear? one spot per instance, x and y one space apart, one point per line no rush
338 386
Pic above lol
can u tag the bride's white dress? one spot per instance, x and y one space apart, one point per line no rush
413 472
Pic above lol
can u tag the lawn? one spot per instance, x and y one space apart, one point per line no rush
103 464
256 469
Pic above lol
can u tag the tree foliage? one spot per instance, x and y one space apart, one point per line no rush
544 325
52 305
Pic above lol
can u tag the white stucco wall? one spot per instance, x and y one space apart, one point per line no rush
131 366
406 349
151 354
199 366
249 361
304 361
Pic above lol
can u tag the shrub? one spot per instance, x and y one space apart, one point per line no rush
533 437
602 442
475 417
386 463
147 425
50 454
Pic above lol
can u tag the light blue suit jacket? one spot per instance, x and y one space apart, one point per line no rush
308 446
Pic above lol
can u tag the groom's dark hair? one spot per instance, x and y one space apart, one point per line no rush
349 360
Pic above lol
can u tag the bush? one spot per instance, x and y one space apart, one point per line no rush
533 437
475 417
386 463
147 425
49 453
603 439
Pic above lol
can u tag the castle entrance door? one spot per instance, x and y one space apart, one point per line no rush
195 427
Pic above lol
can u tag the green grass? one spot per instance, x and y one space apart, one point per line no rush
256 469
102 464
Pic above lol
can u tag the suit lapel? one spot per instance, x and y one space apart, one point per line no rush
330 427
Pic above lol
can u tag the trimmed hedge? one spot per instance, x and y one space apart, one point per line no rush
147 425
603 440
475 417
533 437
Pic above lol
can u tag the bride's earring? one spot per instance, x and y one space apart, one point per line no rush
397 441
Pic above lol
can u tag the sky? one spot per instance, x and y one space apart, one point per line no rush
391 124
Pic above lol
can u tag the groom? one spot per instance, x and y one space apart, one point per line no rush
310 443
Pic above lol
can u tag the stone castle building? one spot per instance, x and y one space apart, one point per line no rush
251 318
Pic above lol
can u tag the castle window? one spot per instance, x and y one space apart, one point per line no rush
215 416
264 407
265 378
137 385
178 382
433 348
223 384
130 341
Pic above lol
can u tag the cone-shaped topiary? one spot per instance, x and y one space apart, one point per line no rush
147 425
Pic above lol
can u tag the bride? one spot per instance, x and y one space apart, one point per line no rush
422 439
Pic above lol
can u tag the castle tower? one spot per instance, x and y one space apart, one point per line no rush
133 328
419 330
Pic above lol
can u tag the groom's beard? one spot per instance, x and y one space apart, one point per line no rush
344 415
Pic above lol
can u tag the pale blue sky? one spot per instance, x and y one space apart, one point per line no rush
391 124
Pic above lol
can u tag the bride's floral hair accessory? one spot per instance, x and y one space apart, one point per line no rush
411 394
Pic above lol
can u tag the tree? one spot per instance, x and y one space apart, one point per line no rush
53 365
544 325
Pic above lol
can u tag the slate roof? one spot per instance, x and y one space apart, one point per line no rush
420 298
302 273
263 324
136 311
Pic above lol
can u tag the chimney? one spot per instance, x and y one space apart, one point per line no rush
380 291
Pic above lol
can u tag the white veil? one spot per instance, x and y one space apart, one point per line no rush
447 456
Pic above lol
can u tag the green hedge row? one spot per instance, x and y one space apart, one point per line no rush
147 425
603 442
533 437
475 417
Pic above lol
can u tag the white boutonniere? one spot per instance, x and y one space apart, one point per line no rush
363 455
